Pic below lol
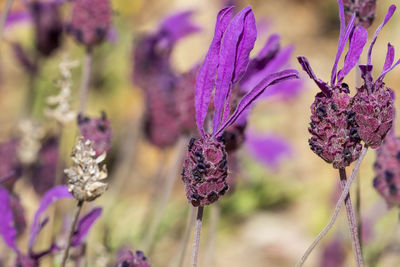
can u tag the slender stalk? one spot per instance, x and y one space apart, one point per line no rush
4 15
215 213
166 194
335 214
85 83
358 191
71 232
352 220
196 243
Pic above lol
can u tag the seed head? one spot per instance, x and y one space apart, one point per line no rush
85 176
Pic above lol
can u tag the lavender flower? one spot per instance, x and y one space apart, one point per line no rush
165 119
373 103
89 26
126 258
334 254
97 130
9 233
205 168
334 133
364 10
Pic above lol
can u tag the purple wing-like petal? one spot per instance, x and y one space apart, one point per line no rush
307 68
388 16
389 58
84 225
268 149
342 43
227 60
356 46
383 74
255 93
7 229
206 76
179 25
54 194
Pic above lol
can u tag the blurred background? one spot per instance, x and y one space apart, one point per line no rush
274 212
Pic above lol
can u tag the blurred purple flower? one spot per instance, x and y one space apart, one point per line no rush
205 168
364 10
334 254
268 149
126 258
97 130
44 170
333 130
373 103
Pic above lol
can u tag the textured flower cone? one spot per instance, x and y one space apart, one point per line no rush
48 26
334 131
364 10
97 130
374 113
387 170
90 21
127 258
205 171
44 170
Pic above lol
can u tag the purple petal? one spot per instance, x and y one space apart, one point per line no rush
344 35
383 74
389 14
307 68
84 225
255 93
7 229
206 76
355 49
179 25
227 59
389 58
54 194
16 17
268 149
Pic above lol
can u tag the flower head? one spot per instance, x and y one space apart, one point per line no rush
373 103
334 133
205 168
90 21
85 176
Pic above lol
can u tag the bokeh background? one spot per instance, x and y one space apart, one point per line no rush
274 213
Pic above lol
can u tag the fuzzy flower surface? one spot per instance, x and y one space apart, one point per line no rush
373 103
334 133
85 176
206 168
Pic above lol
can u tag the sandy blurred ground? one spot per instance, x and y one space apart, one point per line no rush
265 237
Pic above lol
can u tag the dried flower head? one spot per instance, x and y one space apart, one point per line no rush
364 10
373 103
387 170
126 258
334 133
85 176
29 143
205 168
98 130
61 110
89 26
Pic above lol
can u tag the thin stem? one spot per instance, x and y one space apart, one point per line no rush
335 214
166 194
196 243
215 213
85 84
352 220
71 232
4 15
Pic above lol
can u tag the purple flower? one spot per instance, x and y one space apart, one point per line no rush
167 93
97 130
334 133
333 254
205 167
89 26
126 258
373 103
364 10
